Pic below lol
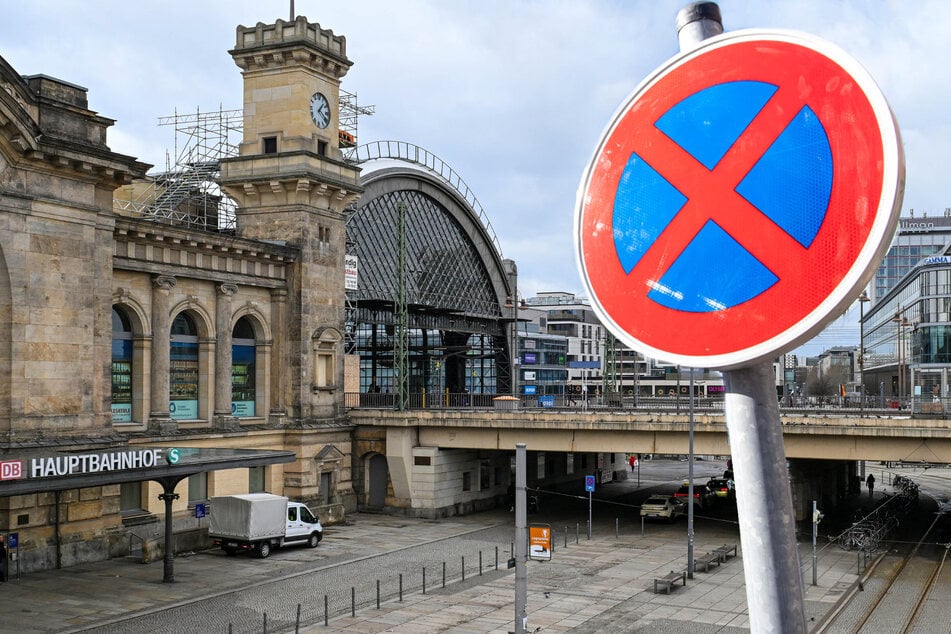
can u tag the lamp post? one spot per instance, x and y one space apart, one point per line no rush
515 304
863 298
901 322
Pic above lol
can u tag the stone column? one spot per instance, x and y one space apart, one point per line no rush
278 412
223 361
159 416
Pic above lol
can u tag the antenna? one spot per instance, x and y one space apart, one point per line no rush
292 10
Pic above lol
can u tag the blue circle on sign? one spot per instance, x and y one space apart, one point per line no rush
706 125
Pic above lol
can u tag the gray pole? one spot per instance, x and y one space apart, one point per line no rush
815 527
690 563
697 22
521 542
589 514
774 593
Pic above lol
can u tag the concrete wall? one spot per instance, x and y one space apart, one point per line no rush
456 482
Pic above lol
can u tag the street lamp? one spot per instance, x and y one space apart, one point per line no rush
902 322
863 298
515 304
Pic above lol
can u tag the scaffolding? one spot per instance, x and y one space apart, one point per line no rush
188 193
350 111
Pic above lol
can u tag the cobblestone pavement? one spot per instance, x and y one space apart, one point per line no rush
604 584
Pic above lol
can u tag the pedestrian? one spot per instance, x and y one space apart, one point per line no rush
632 460
3 558
870 481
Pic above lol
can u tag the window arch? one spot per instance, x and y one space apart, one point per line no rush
243 369
122 367
183 368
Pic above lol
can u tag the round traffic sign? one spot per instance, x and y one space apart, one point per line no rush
739 200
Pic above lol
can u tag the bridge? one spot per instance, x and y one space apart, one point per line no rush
428 450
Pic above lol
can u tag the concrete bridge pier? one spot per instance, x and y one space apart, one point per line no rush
828 482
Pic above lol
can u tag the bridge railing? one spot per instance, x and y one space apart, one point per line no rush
827 405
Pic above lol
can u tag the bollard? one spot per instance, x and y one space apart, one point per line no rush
617 527
297 621
444 574
480 563
326 614
353 602
496 557
566 537
577 531
377 594
230 631
463 567
642 526
424 579
265 623
401 587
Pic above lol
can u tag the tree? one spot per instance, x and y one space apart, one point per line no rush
827 383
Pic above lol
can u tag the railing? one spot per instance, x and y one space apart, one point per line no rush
825 405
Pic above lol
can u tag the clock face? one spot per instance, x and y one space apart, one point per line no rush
320 110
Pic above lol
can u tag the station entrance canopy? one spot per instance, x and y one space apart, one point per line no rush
38 472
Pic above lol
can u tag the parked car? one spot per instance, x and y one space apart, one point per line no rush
722 488
662 507
700 494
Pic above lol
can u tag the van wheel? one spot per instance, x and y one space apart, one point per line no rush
264 549
313 540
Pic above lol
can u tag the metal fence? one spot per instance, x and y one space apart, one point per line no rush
832 405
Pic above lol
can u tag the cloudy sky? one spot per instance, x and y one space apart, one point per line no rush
513 95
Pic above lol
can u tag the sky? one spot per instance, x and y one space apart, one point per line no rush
512 95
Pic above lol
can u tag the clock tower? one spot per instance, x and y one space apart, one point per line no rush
290 153
292 185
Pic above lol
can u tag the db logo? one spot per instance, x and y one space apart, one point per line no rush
11 469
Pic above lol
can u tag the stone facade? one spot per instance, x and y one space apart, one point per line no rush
71 267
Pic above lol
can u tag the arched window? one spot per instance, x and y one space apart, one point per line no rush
183 369
243 385
121 368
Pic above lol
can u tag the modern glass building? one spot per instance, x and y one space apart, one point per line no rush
916 238
907 338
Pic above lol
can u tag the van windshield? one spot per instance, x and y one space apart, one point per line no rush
307 516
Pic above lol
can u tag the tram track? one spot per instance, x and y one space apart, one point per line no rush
904 588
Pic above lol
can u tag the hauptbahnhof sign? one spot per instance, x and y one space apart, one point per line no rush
38 472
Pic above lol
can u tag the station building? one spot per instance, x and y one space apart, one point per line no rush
204 310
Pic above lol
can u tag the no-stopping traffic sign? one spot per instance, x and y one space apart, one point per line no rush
739 200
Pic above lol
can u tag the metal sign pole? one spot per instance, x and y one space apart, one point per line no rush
815 528
690 488
589 514
521 542
774 592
